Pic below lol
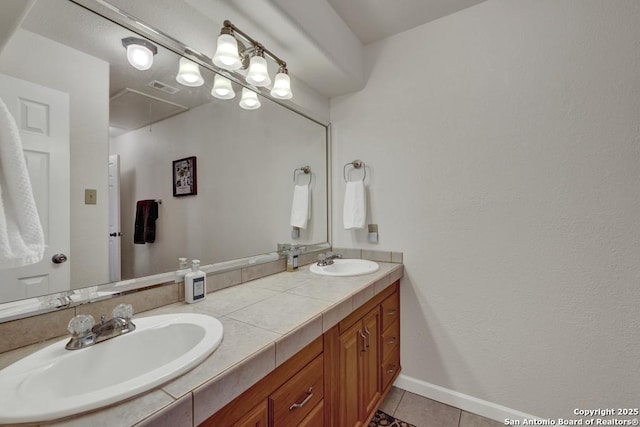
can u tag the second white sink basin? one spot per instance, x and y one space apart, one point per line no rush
55 382
346 267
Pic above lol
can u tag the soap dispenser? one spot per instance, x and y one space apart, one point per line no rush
195 283
183 269
292 259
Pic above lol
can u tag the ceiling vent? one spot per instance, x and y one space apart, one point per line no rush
163 87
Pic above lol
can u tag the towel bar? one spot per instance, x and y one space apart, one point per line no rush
357 164
306 170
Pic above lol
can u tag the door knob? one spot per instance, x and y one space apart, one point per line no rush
114 234
59 258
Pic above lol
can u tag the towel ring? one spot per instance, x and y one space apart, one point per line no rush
306 170
357 164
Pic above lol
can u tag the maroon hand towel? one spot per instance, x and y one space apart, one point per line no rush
145 225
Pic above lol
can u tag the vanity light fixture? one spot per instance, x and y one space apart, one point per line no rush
231 54
249 99
139 52
222 88
189 74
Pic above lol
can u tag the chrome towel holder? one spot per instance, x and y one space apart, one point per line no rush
306 170
357 164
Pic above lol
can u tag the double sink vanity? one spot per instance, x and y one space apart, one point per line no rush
303 348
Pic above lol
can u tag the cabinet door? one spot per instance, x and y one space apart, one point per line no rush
370 367
256 418
351 347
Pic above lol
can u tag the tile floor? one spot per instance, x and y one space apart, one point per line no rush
423 412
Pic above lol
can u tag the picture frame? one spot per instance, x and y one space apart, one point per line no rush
185 178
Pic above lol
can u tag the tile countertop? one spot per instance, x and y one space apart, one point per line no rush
265 321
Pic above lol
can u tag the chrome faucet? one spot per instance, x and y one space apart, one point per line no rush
327 259
85 333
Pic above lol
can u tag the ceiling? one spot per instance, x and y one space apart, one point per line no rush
373 20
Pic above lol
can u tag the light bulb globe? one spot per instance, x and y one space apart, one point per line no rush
222 88
249 100
189 74
282 87
226 55
258 74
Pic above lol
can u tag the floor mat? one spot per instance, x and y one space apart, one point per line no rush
381 419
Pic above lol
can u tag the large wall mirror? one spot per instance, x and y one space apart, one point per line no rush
100 135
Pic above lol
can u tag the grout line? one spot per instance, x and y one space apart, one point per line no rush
459 417
398 404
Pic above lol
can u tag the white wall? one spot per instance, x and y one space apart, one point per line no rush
504 153
245 164
85 78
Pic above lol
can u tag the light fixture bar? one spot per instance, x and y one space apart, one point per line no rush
255 43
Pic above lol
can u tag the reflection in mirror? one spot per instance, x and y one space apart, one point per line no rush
100 136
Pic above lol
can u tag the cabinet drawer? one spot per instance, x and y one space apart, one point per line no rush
390 310
390 367
298 396
390 339
315 417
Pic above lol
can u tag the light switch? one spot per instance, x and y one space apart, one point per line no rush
90 196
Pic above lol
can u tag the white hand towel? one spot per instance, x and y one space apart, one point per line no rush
300 212
354 213
21 237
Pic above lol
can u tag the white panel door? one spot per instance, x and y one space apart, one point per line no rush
42 115
114 219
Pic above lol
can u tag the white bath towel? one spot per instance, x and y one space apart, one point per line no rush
21 237
300 212
354 213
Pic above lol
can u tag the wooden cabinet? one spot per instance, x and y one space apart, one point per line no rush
363 352
338 380
256 418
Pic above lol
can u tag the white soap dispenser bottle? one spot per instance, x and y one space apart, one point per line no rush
183 269
195 283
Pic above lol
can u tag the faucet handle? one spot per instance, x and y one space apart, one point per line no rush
81 325
322 257
124 311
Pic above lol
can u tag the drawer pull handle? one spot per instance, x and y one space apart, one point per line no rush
391 371
391 313
364 342
366 331
304 402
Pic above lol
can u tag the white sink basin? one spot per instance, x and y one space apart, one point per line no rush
346 267
55 382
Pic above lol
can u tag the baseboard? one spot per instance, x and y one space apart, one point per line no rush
467 403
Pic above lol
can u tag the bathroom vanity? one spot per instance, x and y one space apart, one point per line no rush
298 348
338 380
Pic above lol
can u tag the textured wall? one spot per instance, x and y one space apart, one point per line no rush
504 153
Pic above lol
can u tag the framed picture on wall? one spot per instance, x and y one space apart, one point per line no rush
185 180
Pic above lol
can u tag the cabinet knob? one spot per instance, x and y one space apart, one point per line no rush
391 341
391 312
391 370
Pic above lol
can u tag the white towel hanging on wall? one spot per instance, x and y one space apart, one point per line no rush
21 236
354 212
300 211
